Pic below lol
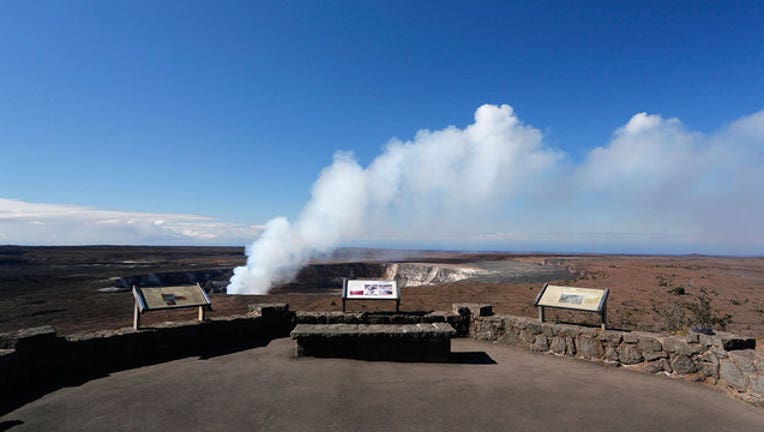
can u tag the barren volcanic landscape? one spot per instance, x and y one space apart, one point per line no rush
78 289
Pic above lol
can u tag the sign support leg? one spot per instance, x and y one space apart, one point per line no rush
136 316
201 313
604 316
541 313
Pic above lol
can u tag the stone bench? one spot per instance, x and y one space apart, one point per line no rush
398 342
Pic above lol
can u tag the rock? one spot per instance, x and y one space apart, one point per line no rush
568 330
570 346
654 355
589 347
558 345
710 369
476 310
744 360
647 343
540 344
705 340
331 317
630 354
757 386
718 348
683 365
680 346
528 336
460 309
521 323
709 365
549 330
661 365
113 290
268 308
630 338
35 336
512 337
732 342
692 337
611 355
612 338
732 376
534 328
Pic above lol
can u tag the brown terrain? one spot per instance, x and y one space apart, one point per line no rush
62 286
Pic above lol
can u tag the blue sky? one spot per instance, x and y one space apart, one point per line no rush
230 110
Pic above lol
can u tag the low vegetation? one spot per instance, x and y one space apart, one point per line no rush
697 313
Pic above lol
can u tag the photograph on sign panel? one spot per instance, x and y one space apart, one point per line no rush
169 299
575 299
370 289
386 289
356 292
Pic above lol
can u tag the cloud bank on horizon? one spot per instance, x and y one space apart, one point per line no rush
57 224
656 186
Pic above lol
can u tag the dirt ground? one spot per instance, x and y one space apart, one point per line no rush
58 286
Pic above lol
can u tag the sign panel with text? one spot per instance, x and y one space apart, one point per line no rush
371 290
574 298
155 298
587 299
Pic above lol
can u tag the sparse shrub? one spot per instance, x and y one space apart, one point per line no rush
678 290
698 313
673 315
702 315
735 302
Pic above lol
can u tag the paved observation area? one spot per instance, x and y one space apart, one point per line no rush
483 387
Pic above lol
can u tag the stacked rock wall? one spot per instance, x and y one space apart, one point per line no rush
460 321
34 361
724 359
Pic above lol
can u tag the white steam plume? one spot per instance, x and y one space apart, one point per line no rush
655 187
334 212
410 182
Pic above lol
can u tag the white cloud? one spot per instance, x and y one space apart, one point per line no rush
656 176
58 224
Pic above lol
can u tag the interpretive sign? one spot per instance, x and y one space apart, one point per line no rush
583 299
363 289
173 297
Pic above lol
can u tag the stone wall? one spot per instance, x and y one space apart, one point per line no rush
35 361
459 319
724 360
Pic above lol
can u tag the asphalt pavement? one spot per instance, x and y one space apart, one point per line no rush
486 387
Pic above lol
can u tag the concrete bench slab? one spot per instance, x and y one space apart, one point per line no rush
396 342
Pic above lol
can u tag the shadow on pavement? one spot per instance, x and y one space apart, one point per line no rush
5 425
471 357
217 352
38 388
